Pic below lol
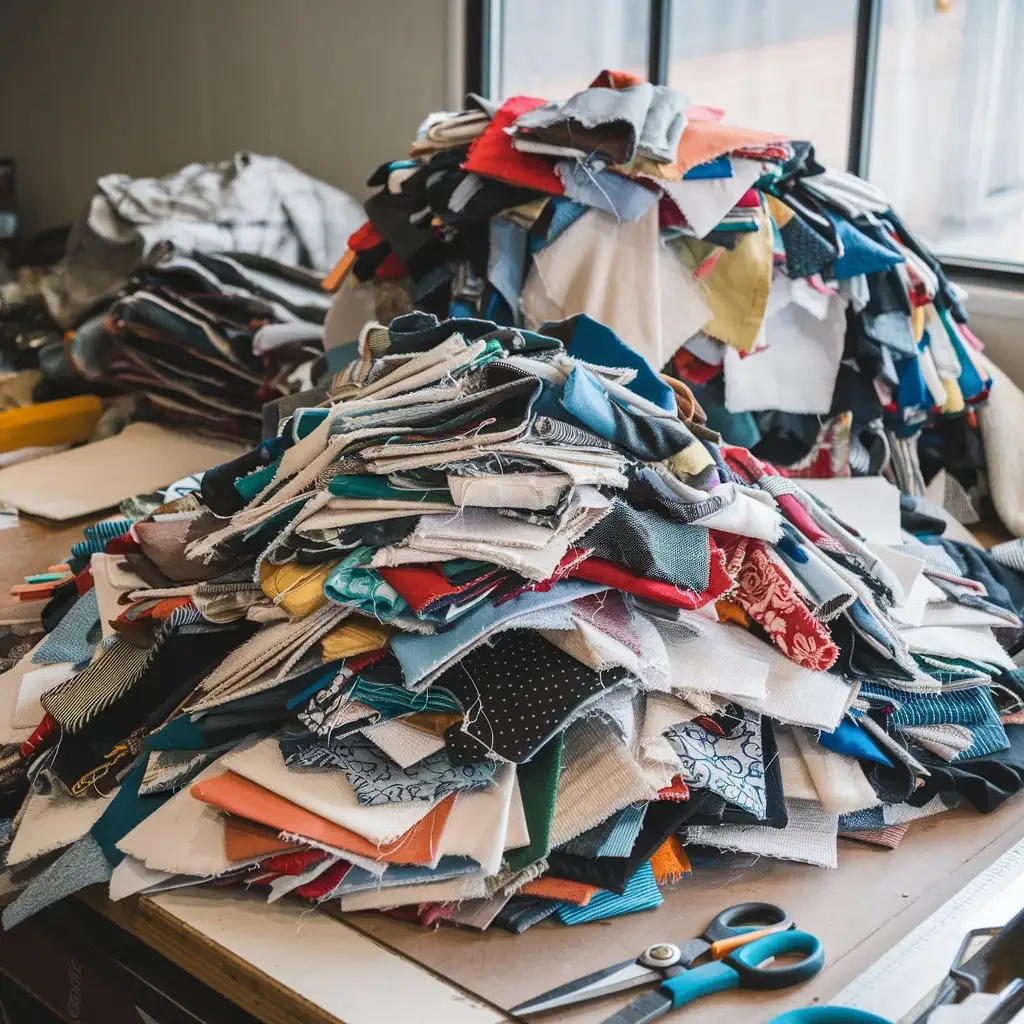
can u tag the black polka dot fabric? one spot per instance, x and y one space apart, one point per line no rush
516 692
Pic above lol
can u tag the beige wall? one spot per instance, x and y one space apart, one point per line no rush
144 86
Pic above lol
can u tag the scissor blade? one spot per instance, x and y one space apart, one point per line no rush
642 1010
617 978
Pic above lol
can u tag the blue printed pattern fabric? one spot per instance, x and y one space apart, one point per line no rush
731 765
75 637
378 780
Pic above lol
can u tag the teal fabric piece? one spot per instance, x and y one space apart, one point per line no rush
368 486
82 864
642 893
97 535
126 810
352 583
249 486
306 421
394 701
624 833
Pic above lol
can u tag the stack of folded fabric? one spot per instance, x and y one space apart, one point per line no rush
504 631
207 339
813 326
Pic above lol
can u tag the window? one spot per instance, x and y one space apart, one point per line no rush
920 96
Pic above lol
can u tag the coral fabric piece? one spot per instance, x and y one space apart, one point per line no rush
704 140
889 837
669 862
577 893
598 570
492 154
236 795
765 593
421 585
244 840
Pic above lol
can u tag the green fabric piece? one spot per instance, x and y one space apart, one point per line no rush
538 783
369 486
395 701
249 486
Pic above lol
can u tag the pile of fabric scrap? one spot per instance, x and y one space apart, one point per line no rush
199 292
503 631
207 339
810 322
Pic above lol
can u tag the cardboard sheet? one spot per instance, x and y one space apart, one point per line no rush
143 457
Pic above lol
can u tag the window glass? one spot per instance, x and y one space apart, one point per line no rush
780 65
554 48
947 142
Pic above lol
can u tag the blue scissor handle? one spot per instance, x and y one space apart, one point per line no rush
743 967
828 1015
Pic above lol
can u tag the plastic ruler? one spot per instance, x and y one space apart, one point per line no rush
894 986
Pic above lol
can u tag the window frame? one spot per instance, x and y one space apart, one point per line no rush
481 70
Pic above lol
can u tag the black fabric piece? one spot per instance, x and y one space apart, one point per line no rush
915 521
952 444
662 819
420 332
521 689
857 658
61 602
855 393
986 782
522 912
413 243
218 484
182 660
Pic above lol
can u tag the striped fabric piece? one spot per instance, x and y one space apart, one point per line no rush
76 702
96 536
1010 554
906 466
642 893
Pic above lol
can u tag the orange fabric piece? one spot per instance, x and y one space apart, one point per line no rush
677 791
576 893
705 140
729 612
236 795
244 840
670 862
336 278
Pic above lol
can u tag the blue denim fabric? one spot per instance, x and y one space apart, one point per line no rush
564 213
861 254
605 190
506 266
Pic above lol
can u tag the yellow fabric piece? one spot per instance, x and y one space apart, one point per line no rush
49 423
356 635
526 214
298 589
780 212
917 322
737 286
691 460
954 397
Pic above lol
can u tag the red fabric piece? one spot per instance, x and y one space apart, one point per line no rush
44 732
669 215
750 200
492 154
324 882
767 595
392 267
365 238
156 609
126 544
687 367
421 585
84 581
293 863
598 570
361 661
678 790
611 78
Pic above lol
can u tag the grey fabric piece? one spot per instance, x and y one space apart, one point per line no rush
250 203
1010 554
643 118
80 865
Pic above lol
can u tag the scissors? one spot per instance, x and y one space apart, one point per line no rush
733 928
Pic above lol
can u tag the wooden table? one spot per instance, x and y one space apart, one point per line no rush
283 963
